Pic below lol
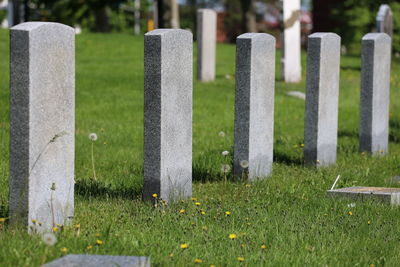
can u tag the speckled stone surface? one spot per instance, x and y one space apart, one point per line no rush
384 20
76 260
291 56
322 96
206 41
168 89
375 91
254 104
42 121
385 194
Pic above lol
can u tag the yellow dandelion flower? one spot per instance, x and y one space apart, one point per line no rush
89 247
182 211
232 236
197 203
77 226
34 221
97 235
242 245
369 222
198 261
263 246
350 213
248 185
99 242
184 245
155 195
203 212
2 220
55 229
302 145
194 198
212 265
64 250
241 259
171 254
228 213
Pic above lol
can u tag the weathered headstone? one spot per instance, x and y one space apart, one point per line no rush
384 194
384 20
76 260
254 104
168 67
291 50
206 43
322 96
42 121
375 87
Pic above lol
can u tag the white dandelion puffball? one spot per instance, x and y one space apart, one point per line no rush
93 136
351 205
225 168
221 134
225 153
49 239
244 163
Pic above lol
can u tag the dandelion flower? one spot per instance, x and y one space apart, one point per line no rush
228 213
34 221
64 250
171 254
99 242
2 220
350 213
248 185
93 136
89 247
55 229
225 153
203 212
263 246
197 203
155 195
97 235
198 261
221 134
302 145
225 168
369 222
244 164
182 211
184 246
241 259
194 199
232 236
49 239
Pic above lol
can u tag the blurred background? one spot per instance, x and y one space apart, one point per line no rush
351 19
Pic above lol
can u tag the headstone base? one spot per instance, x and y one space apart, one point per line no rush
82 260
386 195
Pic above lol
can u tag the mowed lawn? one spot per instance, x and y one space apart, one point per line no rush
280 221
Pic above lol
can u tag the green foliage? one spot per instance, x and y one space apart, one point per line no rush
358 17
288 212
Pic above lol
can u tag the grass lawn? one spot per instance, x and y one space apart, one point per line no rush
288 212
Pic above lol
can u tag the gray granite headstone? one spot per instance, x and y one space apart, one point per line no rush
206 43
375 87
42 121
384 20
322 97
76 260
387 195
168 86
254 104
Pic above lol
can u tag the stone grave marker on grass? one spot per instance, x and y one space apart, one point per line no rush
322 97
168 87
254 104
206 43
42 121
76 260
375 91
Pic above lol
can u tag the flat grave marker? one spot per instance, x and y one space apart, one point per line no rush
387 195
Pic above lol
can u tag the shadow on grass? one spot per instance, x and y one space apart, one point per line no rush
3 211
91 188
280 157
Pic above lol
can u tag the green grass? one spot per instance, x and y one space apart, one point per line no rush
288 212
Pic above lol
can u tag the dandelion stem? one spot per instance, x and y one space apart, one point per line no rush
94 171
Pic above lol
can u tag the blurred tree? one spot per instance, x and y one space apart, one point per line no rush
248 16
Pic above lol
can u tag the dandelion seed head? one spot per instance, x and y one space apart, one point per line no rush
225 153
225 168
221 134
244 164
49 239
93 136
